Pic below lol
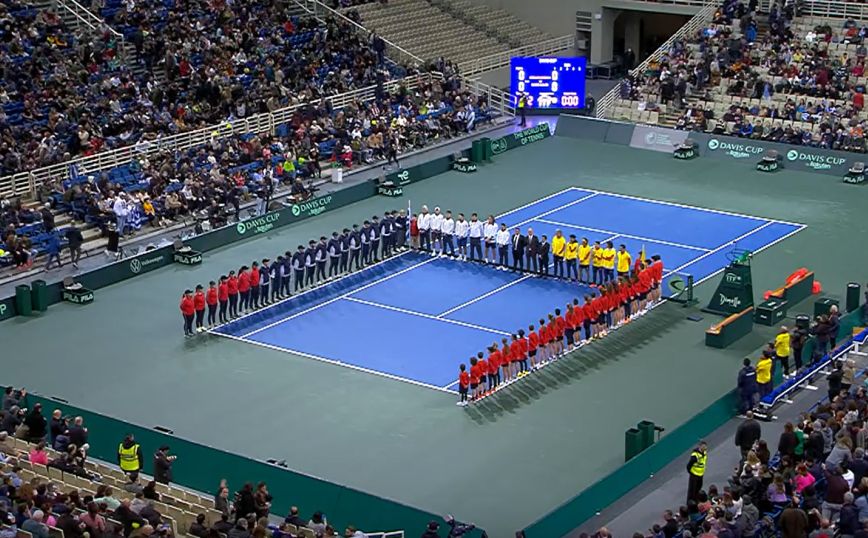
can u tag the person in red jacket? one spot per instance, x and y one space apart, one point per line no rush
494 360
560 327
188 310
514 358
522 349
474 378
211 300
588 316
199 305
223 298
645 282
657 278
244 288
463 384
568 328
532 346
599 306
254 285
505 360
232 283
483 374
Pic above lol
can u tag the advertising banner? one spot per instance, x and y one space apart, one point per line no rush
522 138
657 138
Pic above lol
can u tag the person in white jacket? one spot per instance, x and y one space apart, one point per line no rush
462 232
502 240
423 221
437 232
447 235
489 233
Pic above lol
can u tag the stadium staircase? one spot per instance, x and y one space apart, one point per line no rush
458 30
178 506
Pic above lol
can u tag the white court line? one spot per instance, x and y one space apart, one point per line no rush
555 210
305 292
538 200
336 363
685 206
339 297
721 247
426 316
775 242
597 230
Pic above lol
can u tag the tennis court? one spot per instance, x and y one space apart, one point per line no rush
414 317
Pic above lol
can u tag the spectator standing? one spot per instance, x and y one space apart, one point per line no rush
130 457
696 466
52 250
764 374
747 386
163 465
835 380
36 423
47 217
747 433
787 442
77 432
794 521
782 349
74 240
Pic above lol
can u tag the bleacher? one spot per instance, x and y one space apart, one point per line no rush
740 94
179 507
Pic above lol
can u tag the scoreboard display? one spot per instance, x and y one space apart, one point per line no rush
549 82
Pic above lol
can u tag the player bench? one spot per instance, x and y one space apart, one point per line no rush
797 290
724 333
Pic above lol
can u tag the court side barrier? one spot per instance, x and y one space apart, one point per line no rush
718 147
200 467
145 262
733 327
570 515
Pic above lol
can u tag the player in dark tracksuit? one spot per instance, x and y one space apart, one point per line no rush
365 238
310 264
334 251
264 280
286 276
355 242
375 239
275 279
322 255
386 234
344 244
298 267
399 235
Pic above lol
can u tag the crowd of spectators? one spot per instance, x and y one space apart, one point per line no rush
776 73
815 485
211 182
194 64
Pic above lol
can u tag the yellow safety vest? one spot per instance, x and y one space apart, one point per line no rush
129 457
698 468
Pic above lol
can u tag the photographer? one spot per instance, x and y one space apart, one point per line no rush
163 465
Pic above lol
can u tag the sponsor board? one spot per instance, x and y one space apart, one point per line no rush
258 225
188 258
521 138
6 310
390 191
311 208
685 153
657 138
78 297
145 263
734 148
404 177
466 167
814 159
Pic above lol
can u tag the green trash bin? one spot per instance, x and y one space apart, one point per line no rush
39 295
632 443
476 151
646 428
487 154
823 305
23 302
853 290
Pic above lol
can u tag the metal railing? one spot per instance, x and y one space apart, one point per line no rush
702 17
499 100
835 9
28 183
390 534
393 51
501 59
89 22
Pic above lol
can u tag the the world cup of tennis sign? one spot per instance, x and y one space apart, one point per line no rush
521 138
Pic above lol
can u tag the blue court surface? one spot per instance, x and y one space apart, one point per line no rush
460 308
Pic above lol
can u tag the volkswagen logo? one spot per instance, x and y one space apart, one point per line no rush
135 266
713 144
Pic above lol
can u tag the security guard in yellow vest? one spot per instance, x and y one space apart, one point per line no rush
696 470
130 455
522 104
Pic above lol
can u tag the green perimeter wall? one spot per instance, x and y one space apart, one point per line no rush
201 467
615 485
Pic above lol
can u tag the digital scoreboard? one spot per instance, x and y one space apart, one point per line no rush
549 82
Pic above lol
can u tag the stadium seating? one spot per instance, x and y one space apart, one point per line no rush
459 30
772 76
